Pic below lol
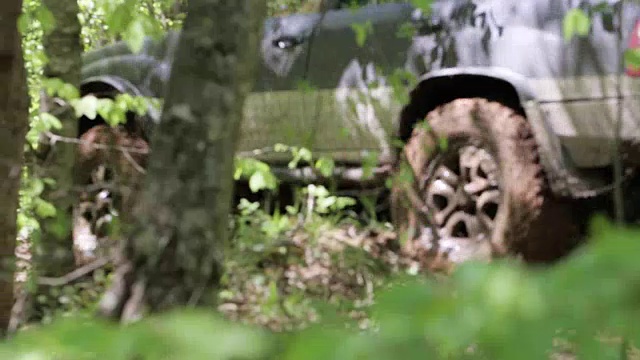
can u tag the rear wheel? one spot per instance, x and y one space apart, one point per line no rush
477 187
110 166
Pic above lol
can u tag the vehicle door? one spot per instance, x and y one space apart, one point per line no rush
584 99
347 74
275 111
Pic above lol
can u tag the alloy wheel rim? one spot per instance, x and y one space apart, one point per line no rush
463 194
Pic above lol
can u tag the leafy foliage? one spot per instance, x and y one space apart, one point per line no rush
576 22
484 311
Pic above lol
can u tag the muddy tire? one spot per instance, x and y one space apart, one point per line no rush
110 166
479 194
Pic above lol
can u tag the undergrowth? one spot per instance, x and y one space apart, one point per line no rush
318 281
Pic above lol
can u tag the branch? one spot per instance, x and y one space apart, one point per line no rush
74 275
57 138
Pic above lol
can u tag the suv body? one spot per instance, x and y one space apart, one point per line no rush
320 88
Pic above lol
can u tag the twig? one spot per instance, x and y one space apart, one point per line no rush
133 162
114 298
55 138
423 209
257 152
133 307
74 275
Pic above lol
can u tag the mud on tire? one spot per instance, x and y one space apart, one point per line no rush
518 224
110 165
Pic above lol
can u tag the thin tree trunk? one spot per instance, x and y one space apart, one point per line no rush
63 47
175 249
14 119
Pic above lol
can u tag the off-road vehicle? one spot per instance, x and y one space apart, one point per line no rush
506 122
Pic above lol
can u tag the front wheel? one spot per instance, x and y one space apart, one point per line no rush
474 170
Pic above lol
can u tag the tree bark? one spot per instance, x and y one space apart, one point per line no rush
14 120
182 222
63 47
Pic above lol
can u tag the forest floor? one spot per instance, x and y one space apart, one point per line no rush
282 279
282 272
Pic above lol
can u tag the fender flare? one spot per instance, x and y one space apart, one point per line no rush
518 81
415 109
118 83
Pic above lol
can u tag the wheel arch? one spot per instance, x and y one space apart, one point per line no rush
442 86
97 83
107 86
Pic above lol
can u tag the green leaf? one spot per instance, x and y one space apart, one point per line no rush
261 180
318 191
50 121
37 186
305 154
52 86
325 203
23 23
189 333
247 208
61 226
68 92
424 5
44 209
280 148
135 35
369 163
46 19
443 143
343 201
362 32
257 182
325 165
576 22
632 58
406 31
86 106
119 18
300 154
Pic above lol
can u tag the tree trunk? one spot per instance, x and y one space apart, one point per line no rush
63 47
175 248
14 120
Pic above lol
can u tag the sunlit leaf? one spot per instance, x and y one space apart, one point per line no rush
362 31
46 19
50 121
135 35
424 5
325 165
576 22
86 106
257 182
632 58
23 23
45 209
